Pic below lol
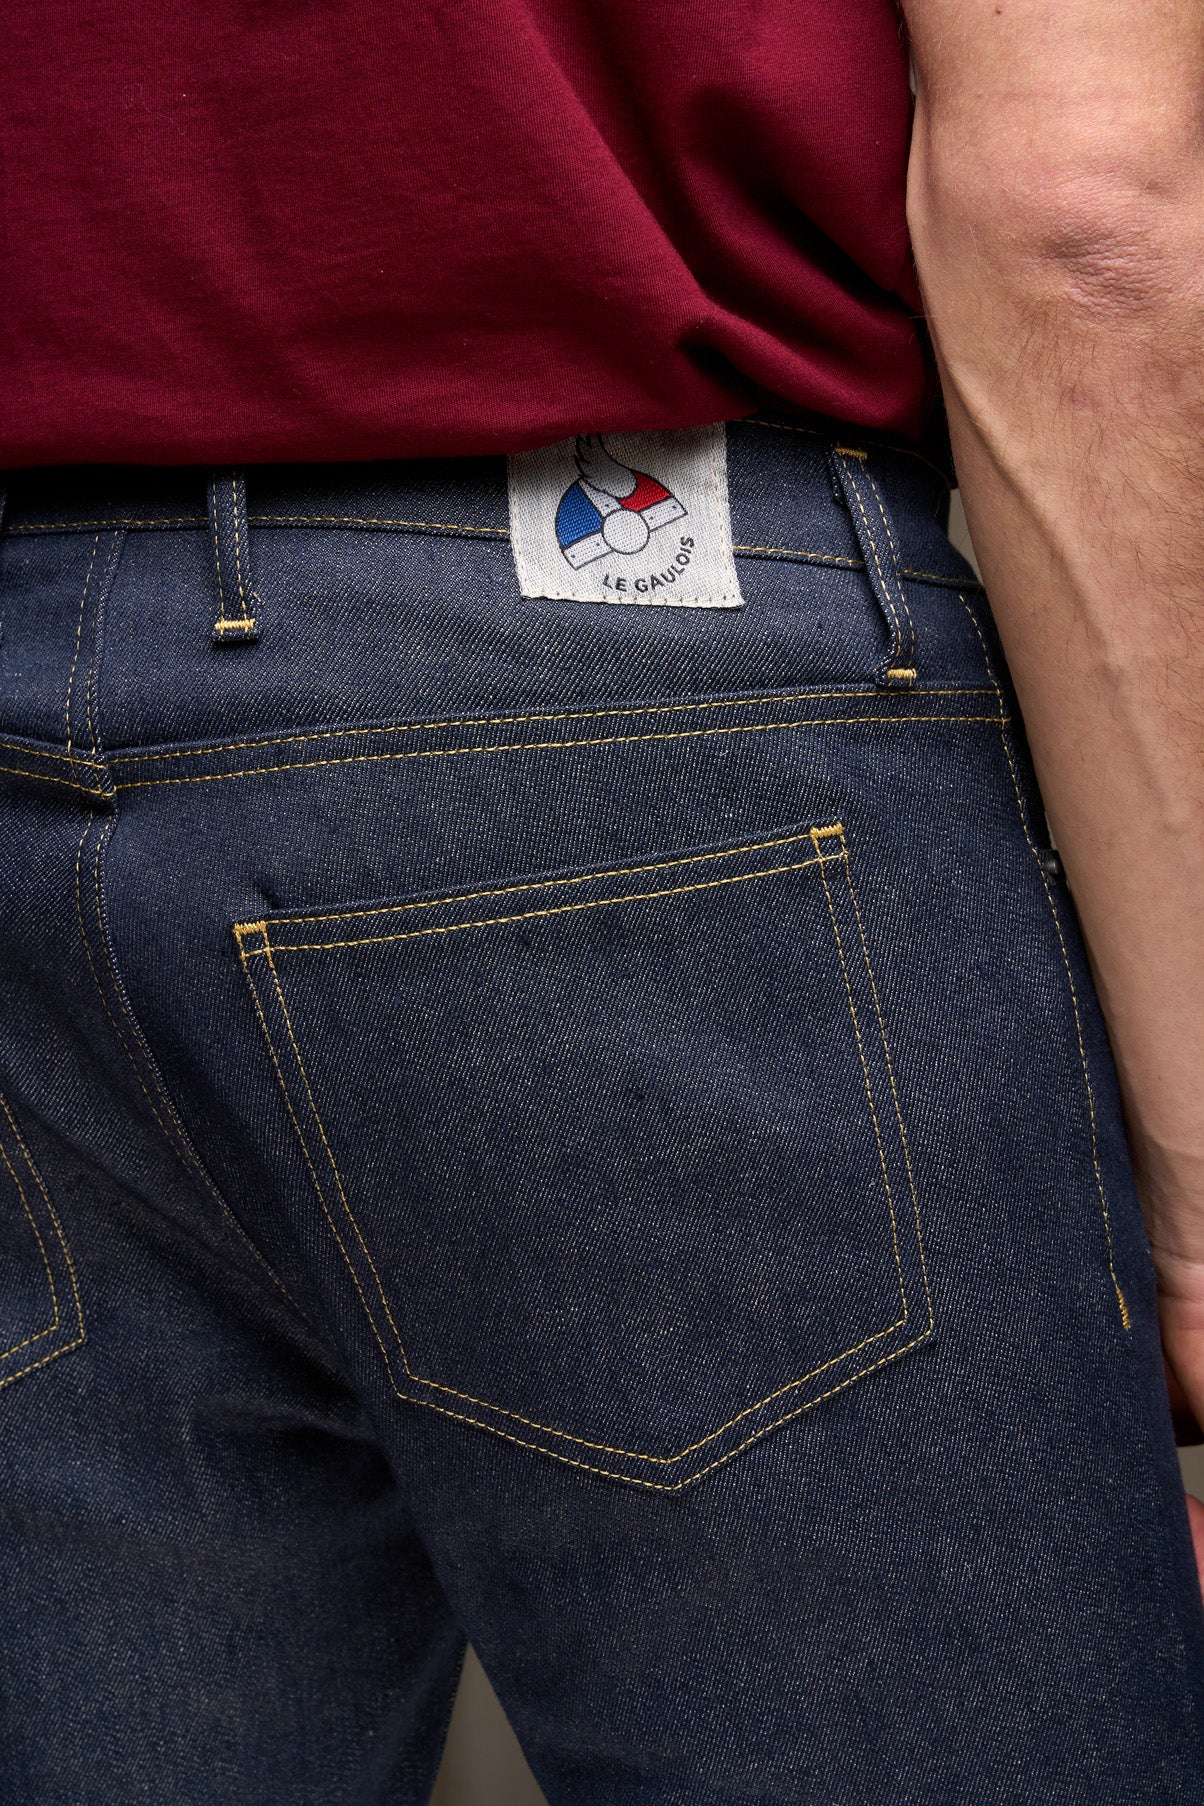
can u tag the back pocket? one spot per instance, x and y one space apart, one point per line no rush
40 1314
615 1159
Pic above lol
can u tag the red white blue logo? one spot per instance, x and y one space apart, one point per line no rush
610 508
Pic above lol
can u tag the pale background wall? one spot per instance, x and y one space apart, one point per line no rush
483 1765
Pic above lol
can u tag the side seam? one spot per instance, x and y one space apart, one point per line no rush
1051 900
89 901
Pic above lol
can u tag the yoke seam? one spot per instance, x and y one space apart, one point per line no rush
776 699
48 777
60 758
554 745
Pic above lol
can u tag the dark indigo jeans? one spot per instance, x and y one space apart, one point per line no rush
583 1127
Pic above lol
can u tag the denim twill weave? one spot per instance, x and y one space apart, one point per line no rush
582 1127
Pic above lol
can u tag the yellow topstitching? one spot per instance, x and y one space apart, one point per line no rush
775 699
63 1347
216 777
1125 1317
527 915
510 890
890 1073
581 1442
41 1334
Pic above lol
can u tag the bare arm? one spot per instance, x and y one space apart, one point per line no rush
1056 200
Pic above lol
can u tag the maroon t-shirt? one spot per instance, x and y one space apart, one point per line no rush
338 229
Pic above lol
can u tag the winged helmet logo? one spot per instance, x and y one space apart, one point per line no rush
611 507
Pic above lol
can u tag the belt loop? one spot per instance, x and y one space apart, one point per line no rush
876 539
236 598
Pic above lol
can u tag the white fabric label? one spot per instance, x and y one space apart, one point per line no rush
632 517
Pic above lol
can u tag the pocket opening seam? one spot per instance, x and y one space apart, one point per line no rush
527 915
511 890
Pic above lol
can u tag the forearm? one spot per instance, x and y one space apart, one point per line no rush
1067 305
1081 457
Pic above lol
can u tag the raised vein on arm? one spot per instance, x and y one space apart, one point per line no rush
1056 201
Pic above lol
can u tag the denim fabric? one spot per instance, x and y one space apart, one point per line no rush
582 1127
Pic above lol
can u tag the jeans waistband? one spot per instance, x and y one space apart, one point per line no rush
385 593
776 471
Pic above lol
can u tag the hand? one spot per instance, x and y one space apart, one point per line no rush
1181 1312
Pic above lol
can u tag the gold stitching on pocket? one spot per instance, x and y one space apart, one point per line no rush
894 1090
41 1334
56 1326
559 909
511 890
869 1092
255 938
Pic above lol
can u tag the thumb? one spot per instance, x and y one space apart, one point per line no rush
1182 1320
1188 1433
1195 1517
